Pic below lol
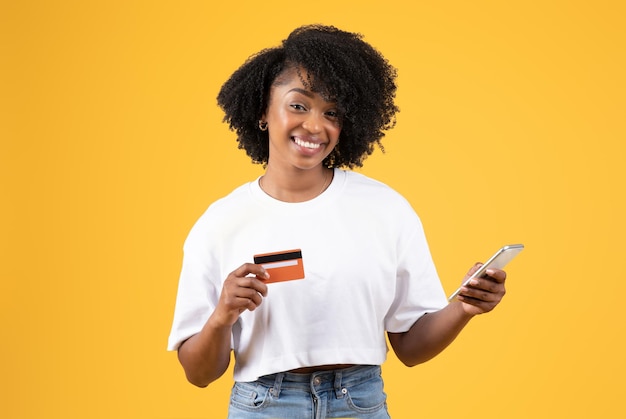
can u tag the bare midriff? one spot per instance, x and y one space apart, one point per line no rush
310 370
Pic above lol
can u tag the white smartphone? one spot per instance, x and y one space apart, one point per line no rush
498 261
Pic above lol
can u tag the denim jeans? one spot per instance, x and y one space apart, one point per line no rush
354 392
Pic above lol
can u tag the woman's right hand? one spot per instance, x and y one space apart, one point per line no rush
243 289
205 356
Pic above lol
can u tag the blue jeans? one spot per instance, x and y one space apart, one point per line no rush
354 392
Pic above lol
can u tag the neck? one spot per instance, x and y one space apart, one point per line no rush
299 186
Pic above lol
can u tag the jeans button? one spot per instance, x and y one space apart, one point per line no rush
317 381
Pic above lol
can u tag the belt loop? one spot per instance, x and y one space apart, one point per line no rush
338 392
277 383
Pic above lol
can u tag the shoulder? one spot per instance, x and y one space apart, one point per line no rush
214 218
374 192
377 203
229 203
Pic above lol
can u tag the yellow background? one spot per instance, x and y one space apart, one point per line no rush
511 130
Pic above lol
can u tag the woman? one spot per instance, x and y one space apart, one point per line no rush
353 264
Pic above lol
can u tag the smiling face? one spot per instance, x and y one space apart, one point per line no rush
303 126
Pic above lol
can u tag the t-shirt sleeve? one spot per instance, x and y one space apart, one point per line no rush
418 288
198 287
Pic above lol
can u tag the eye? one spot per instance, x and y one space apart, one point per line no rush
298 107
332 114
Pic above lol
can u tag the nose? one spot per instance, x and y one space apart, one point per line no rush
312 123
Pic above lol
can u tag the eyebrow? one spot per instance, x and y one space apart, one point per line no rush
309 94
302 91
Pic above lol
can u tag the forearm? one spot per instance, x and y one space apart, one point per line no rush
206 355
429 335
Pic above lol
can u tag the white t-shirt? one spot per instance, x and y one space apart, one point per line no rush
367 270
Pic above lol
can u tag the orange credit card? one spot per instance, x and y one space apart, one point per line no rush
282 266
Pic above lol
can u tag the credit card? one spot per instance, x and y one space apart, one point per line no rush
282 266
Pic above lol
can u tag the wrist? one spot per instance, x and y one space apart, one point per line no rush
463 314
218 322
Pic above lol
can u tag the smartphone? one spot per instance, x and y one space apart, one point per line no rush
498 261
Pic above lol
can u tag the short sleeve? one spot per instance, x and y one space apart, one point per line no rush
198 287
418 287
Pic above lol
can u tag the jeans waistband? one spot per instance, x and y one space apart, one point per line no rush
322 380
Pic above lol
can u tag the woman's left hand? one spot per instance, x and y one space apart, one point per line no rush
482 295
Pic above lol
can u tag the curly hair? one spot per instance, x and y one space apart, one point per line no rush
341 67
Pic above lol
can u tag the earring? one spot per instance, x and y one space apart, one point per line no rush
263 125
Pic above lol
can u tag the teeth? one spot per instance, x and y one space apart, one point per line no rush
306 144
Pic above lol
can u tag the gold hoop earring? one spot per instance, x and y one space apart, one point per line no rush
263 125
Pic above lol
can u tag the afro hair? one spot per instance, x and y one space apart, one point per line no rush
340 66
